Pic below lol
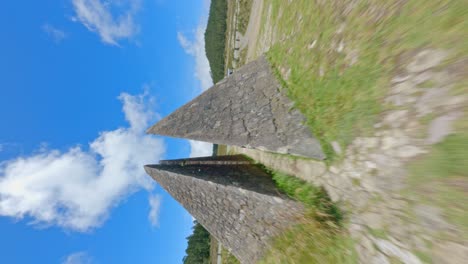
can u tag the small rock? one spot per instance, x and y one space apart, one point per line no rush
341 28
395 116
373 220
352 57
321 71
347 165
404 88
334 194
396 100
409 151
419 244
367 245
400 136
336 147
441 78
389 143
384 161
426 59
441 127
390 249
431 99
370 142
312 45
400 78
285 73
370 165
396 204
378 259
456 102
354 174
422 77
368 185
431 217
355 230
334 170
365 249
413 128
435 94
340 46
450 253
313 169
398 243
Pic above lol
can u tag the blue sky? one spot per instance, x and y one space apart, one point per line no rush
81 80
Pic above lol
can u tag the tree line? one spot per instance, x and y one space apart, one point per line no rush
198 249
215 38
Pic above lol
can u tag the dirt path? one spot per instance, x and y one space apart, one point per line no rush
253 29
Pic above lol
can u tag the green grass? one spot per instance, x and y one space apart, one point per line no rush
339 100
319 237
228 258
244 15
311 243
316 199
448 158
441 178
424 257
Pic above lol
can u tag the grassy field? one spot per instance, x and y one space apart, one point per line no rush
336 62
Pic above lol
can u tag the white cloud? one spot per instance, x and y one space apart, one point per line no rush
196 48
77 188
78 258
155 205
200 149
56 34
112 20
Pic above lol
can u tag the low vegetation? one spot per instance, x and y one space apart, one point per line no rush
215 38
228 258
316 199
319 238
244 15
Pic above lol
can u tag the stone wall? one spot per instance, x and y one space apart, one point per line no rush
237 203
247 109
